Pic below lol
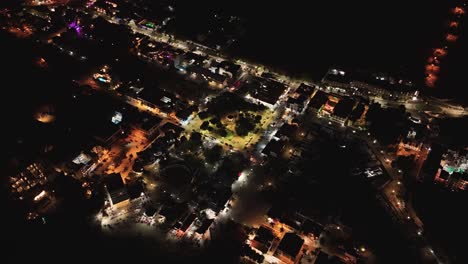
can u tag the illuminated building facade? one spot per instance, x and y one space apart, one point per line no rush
455 161
453 170
29 182
408 147
116 190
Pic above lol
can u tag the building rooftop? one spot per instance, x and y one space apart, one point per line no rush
319 99
162 99
459 175
172 212
116 188
196 58
265 90
297 102
148 122
183 114
337 76
287 130
344 107
383 81
114 182
329 106
312 227
150 210
187 222
170 127
209 75
230 67
274 146
106 131
265 237
134 189
357 111
291 244
305 89
324 258
225 67
204 226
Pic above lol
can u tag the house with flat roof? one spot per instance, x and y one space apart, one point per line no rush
274 148
337 80
287 131
318 100
206 223
226 68
265 91
263 239
324 258
300 98
158 98
185 224
147 123
207 75
116 189
289 248
342 110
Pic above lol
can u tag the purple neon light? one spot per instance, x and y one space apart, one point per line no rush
77 27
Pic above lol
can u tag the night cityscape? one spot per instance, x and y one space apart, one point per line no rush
169 131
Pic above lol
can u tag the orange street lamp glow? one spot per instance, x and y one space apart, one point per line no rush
453 24
459 10
451 37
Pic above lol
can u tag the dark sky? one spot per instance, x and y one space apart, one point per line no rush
309 36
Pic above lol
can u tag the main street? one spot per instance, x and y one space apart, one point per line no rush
413 106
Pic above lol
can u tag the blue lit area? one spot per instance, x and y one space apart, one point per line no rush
103 80
117 118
